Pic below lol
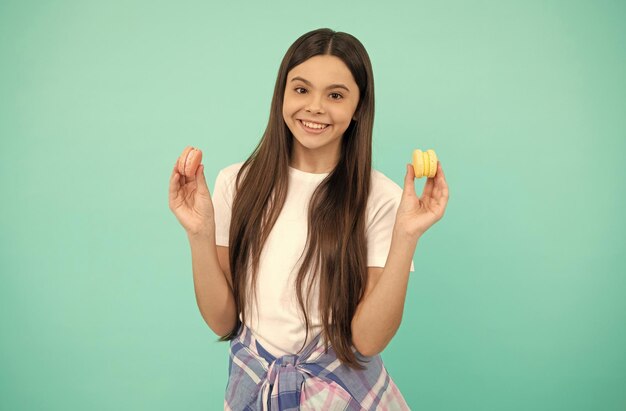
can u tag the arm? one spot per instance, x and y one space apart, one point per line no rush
214 294
379 314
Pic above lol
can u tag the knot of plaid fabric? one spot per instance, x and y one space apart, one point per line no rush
313 380
283 382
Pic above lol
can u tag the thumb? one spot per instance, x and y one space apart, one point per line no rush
200 178
409 186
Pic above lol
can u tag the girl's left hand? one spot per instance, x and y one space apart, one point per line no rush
416 214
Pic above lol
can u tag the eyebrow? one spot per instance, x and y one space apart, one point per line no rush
327 88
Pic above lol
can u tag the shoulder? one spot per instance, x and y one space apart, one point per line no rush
228 174
383 200
382 204
231 170
226 178
383 189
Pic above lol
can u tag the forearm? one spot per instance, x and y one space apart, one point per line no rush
380 313
213 293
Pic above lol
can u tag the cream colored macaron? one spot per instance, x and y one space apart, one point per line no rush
424 163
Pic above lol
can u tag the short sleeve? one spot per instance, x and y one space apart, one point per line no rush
222 206
380 229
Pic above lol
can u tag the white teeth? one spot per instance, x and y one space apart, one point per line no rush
314 125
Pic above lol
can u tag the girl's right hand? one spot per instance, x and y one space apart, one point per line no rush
190 201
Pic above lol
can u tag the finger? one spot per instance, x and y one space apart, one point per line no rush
441 187
174 182
183 179
430 184
442 181
409 186
201 179
427 192
441 174
441 177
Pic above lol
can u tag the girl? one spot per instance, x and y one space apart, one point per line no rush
302 255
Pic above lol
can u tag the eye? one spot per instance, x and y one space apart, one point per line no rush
299 88
336 94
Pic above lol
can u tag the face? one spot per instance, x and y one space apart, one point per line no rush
321 91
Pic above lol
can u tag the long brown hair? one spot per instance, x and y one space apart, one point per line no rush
336 249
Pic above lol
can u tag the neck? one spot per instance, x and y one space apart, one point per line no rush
313 162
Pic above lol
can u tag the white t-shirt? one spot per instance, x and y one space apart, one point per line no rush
276 320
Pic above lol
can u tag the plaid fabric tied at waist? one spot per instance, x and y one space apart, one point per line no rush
311 380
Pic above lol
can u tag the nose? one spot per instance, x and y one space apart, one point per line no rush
314 103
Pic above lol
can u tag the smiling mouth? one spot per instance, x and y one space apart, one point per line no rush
313 126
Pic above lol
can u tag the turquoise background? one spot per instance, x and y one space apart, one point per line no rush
518 298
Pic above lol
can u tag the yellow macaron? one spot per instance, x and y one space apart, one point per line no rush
424 163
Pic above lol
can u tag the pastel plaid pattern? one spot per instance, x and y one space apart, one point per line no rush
312 380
